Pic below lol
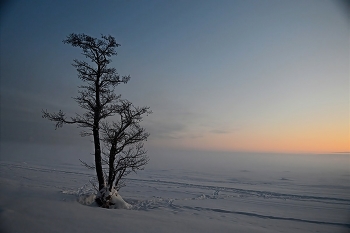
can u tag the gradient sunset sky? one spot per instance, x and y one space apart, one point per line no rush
261 76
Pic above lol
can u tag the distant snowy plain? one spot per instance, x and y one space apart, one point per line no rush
45 189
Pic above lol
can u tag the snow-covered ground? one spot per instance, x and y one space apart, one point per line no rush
202 193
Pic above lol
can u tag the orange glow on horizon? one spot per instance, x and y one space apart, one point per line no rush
270 143
301 138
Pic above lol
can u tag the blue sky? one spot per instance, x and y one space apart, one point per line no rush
218 75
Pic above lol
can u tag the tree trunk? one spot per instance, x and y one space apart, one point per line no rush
98 159
96 134
111 167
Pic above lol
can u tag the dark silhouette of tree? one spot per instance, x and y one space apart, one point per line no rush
122 148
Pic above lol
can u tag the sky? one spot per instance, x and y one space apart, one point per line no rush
254 76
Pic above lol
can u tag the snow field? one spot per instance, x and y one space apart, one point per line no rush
38 198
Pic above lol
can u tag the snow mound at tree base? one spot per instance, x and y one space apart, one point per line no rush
116 201
109 199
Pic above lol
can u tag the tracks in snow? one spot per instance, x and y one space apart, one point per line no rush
219 192
216 189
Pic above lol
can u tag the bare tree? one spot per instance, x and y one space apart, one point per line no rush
122 149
